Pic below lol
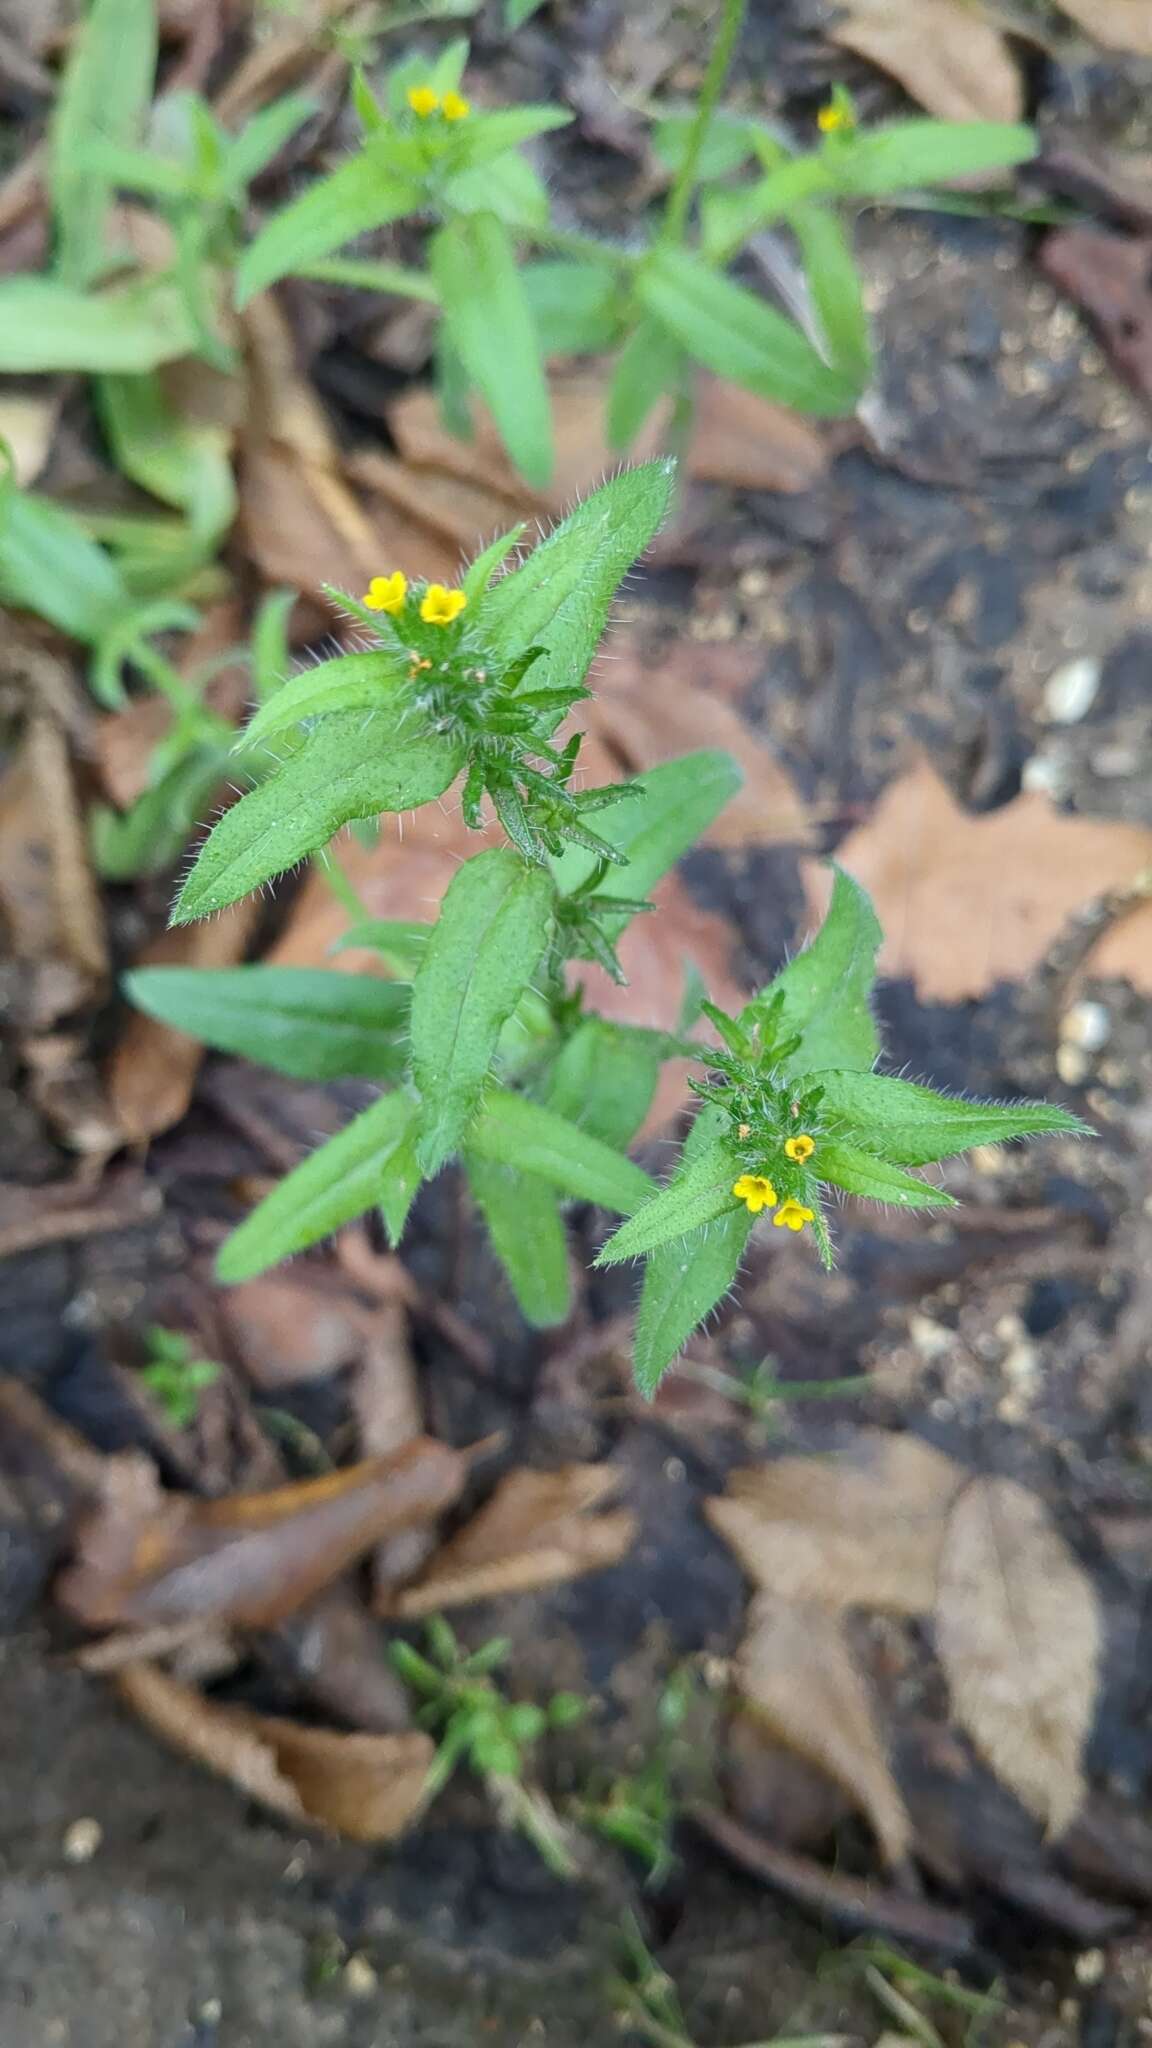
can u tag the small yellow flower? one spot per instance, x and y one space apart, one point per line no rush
799 1148
455 107
793 1215
387 593
423 101
832 120
439 606
756 1192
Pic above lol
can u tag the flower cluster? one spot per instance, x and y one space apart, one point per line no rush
451 106
439 606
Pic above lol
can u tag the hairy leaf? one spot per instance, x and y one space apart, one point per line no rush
352 682
731 331
604 1079
695 1197
515 1132
362 194
489 322
863 1173
336 1183
912 1126
301 1020
675 804
827 988
527 1230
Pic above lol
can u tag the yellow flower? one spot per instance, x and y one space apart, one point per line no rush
423 101
439 606
455 107
756 1192
831 120
793 1215
387 593
799 1148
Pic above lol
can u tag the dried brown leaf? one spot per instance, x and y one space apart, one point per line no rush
751 443
798 1677
537 1530
49 903
945 54
862 1529
1117 24
27 424
147 1557
152 1071
1019 1635
968 901
1106 274
369 1787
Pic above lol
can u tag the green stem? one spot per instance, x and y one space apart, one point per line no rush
571 242
680 197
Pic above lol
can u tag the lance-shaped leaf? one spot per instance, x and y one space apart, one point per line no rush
660 815
827 988
348 769
728 329
490 325
559 598
684 1280
353 682
106 89
484 949
604 1078
912 1126
364 193
696 1197
527 1230
303 1021
329 1188
863 1173
515 1132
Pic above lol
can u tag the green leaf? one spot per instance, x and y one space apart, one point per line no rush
304 1021
604 1078
508 186
517 12
480 572
863 1173
730 217
835 285
473 265
485 136
183 462
368 274
350 682
914 1126
263 137
515 1132
401 1183
484 949
527 1231
106 90
152 835
49 566
46 325
908 153
362 194
342 772
827 988
576 306
138 170
333 1185
697 1195
679 800
684 1281
560 597
734 333
727 143
648 367
400 943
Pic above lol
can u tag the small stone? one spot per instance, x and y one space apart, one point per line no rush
1070 694
1090 1966
1113 762
1071 1065
1088 1025
82 1840
360 1979
930 1337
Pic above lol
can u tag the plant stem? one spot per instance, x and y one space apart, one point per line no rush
680 197
572 242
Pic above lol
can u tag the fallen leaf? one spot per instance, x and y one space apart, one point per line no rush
1117 24
943 52
537 1530
861 1529
147 1556
750 443
385 1394
968 901
653 703
797 1677
288 1327
49 903
28 421
152 1070
369 1787
1019 1635
1106 274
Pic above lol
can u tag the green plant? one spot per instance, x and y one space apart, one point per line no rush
512 286
637 1810
647 2000
492 1057
174 1376
494 1736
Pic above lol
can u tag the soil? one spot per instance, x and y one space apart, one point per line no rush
993 525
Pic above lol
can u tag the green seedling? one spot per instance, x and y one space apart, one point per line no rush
485 1052
175 1377
637 1812
904 1989
493 1736
763 1393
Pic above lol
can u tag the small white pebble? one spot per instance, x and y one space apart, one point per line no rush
360 1979
1110 762
1090 1966
1070 694
930 1337
1071 1065
1046 772
1088 1025
82 1840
